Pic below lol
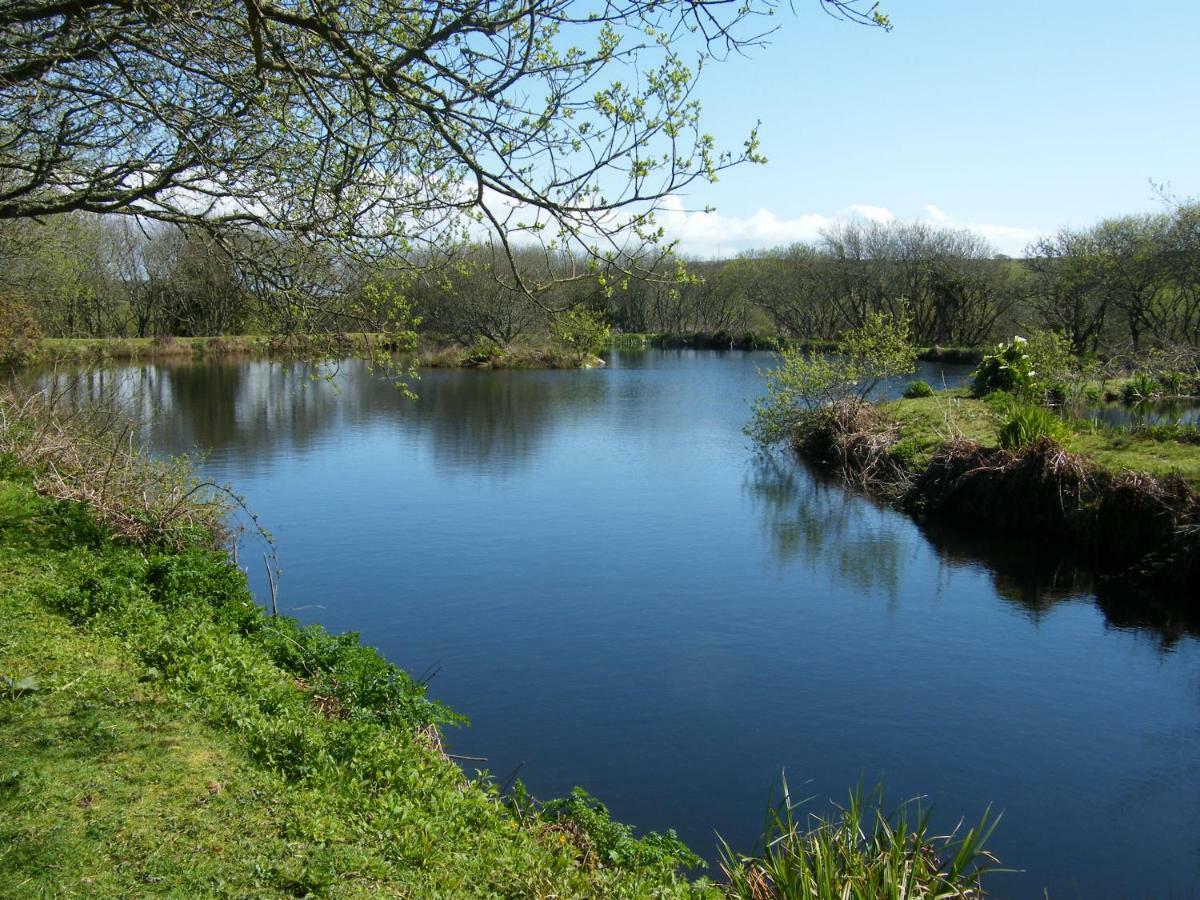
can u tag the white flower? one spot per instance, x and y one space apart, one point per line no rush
1019 340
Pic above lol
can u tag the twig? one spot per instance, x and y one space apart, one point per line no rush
274 587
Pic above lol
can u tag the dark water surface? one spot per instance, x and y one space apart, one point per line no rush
621 596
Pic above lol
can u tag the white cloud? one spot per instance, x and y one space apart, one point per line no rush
880 214
713 234
934 213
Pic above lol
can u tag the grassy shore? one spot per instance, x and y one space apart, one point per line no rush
1126 500
429 353
161 734
926 424
755 341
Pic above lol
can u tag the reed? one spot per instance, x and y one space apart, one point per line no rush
861 853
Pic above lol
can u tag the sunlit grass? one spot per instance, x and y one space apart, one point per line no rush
861 852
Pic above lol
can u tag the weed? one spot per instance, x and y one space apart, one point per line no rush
917 389
1022 425
862 853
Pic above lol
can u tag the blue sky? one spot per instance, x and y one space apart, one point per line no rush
1012 118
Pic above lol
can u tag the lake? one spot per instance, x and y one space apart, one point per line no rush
621 594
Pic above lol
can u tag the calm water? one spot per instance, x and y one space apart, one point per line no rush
620 595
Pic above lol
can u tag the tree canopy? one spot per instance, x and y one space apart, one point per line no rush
377 127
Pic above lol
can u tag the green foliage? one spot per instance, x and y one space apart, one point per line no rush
1175 383
481 353
299 761
807 381
19 333
1051 359
1141 387
906 451
1020 425
917 389
1008 367
878 349
862 852
613 844
581 332
1039 369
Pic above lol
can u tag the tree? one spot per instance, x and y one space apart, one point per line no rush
476 299
386 129
1065 287
1134 272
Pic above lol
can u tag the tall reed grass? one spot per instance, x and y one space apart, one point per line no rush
861 853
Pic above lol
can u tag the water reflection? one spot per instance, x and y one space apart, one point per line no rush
813 520
252 411
810 518
1124 415
620 599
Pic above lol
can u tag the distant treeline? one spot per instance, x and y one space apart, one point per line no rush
1130 282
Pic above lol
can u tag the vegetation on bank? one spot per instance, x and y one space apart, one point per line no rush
157 728
428 353
1010 454
160 732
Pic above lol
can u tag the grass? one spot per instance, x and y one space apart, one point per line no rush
179 741
926 424
861 853
430 353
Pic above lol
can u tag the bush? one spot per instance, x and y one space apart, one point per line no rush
1021 425
581 332
19 334
807 381
1037 368
1141 387
1007 368
917 389
601 842
481 354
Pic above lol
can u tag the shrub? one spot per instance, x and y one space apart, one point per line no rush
807 381
917 389
581 332
1141 387
1050 356
481 354
19 334
1022 425
1173 382
1036 368
1006 368
603 842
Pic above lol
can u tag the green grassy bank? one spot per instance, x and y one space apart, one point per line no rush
159 734
703 340
927 424
429 352
1125 499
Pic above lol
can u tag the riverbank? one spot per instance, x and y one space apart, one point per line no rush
429 353
1126 501
160 733
754 341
